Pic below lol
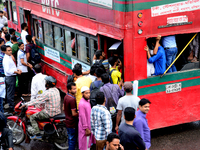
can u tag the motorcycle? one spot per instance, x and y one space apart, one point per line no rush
53 130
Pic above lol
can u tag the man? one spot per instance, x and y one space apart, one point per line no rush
159 59
23 65
2 76
38 83
85 138
24 33
51 97
4 32
80 82
99 58
15 47
129 100
6 134
3 19
71 115
12 32
113 142
10 71
140 122
114 72
29 46
8 42
129 137
112 93
169 44
101 123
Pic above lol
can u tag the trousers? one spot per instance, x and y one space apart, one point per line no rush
10 91
38 116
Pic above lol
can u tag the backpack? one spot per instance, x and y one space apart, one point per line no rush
93 94
34 55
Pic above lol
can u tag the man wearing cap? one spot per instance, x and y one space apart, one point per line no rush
85 137
129 100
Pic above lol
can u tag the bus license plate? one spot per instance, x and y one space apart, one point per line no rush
172 88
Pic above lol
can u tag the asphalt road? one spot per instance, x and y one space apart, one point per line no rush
180 137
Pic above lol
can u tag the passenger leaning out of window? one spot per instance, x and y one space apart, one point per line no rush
159 58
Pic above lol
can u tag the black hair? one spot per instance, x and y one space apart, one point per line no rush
128 90
7 46
129 113
77 71
144 101
99 71
112 136
14 38
78 65
1 40
1 12
112 60
20 43
100 98
4 3
29 38
7 37
38 68
98 54
105 78
151 40
23 25
3 28
1 31
69 85
11 30
93 69
3 48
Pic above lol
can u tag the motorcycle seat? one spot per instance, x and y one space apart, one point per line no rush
59 116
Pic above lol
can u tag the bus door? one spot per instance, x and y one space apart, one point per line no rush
27 15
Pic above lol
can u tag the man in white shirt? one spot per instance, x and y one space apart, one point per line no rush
38 83
3 19
23 65
10 71
24 33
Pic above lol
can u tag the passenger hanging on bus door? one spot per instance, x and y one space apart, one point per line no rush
194 46
170 46
159 59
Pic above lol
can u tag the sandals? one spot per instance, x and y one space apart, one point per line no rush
194 60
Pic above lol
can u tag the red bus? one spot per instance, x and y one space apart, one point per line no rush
70 31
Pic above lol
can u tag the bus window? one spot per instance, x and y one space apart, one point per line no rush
38 29
14 12
48 37
93 46
58 38
70 43
21 15
83 48
8 9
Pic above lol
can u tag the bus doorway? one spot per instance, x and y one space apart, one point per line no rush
27 14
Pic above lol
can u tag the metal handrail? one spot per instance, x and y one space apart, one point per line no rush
178 55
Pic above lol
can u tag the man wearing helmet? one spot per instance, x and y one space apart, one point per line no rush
51 97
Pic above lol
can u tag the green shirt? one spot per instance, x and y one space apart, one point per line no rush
15 49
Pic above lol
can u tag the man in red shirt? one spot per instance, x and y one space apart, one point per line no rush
71 115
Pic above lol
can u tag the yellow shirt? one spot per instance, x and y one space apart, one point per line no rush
116 75
80 82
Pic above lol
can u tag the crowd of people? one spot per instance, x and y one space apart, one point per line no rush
101 111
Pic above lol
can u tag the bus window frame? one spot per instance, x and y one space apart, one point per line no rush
63 29
11 9
8 9
21 12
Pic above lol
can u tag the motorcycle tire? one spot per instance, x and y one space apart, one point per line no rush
60 144
18 133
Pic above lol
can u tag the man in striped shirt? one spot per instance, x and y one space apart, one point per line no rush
51 97
101 123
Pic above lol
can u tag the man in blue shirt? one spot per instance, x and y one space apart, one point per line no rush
159 59
169 44
140 122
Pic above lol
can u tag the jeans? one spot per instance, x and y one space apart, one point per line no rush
1 105
7 137
72 138
170 57
10 91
